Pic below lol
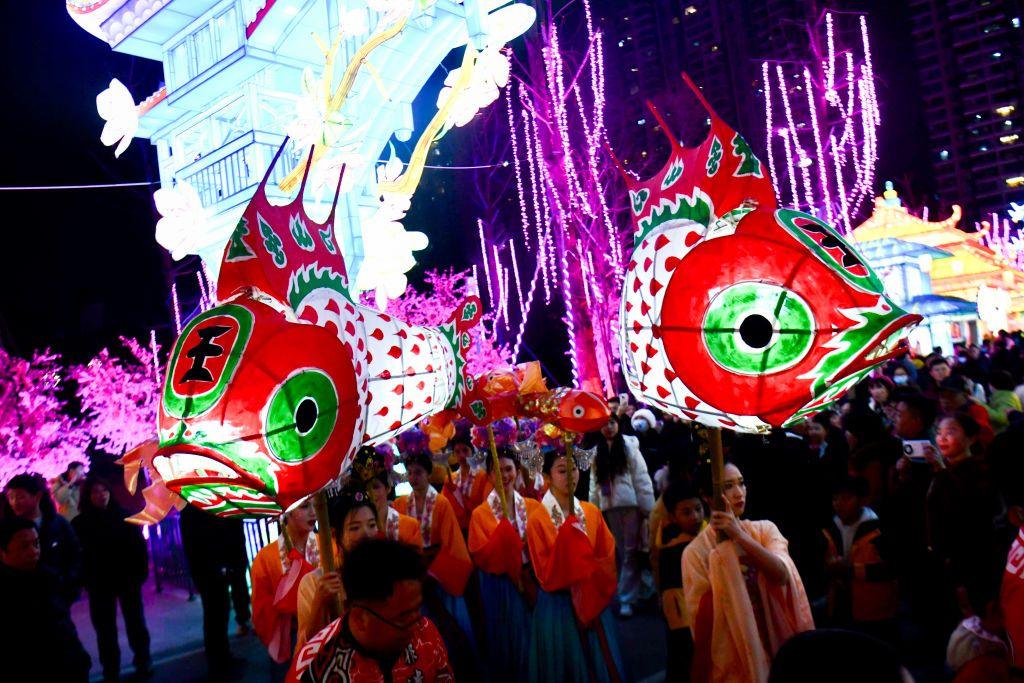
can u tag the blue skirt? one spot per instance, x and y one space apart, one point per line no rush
456 606
561 651
450 615
507 628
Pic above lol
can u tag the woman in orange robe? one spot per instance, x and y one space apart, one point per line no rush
743 592
449 565
497 545
276 574
466 488
372 470
573 635
353 518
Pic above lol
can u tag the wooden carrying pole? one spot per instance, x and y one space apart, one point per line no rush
497 470
324 541
717 473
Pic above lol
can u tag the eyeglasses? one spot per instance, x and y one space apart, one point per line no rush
398 627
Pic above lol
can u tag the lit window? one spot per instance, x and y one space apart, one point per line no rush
690 10
1015 181
944 154
1009 139
1005 110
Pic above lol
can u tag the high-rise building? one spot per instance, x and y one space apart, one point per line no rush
719 43
971 73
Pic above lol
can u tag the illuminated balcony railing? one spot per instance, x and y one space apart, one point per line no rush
237 171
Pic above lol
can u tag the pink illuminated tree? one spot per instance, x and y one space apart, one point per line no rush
36 432
443 291
120 393
568 250
822 119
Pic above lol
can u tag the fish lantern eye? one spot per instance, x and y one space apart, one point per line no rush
578 411
754 328
301 416
306 415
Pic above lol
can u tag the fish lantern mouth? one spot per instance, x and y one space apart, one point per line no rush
892 344
209 480
888 343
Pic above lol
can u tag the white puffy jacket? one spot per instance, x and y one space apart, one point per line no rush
632 488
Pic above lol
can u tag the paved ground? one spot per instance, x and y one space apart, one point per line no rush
176 633
176 629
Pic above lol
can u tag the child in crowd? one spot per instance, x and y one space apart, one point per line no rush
977 651
862 593
685 521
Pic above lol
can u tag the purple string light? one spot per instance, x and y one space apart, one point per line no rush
848 121
562 173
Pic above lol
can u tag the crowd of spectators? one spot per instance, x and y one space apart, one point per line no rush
900 504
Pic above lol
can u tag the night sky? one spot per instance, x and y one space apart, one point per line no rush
82 267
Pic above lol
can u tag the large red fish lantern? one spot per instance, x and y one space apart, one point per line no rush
269 394
737 313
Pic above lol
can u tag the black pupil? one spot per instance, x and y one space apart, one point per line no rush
756 331
305 415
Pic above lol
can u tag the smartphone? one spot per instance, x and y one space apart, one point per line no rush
623 398
917 449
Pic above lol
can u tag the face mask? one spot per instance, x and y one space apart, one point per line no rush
901 379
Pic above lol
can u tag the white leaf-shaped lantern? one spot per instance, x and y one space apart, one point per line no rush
184 224
388 250
116 106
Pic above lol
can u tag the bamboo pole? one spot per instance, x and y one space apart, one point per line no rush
570 457
326 544
717 473
497 469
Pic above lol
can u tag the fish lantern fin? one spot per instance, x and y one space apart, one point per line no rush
702 183
456 331
134 460
273 246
